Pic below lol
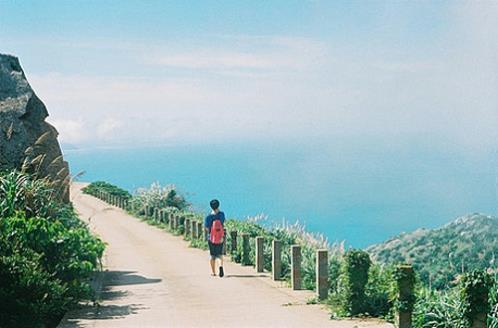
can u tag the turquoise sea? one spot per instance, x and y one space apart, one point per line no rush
361 193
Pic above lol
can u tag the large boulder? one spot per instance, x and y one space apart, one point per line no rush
27 142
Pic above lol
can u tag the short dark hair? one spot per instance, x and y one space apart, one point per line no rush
215 204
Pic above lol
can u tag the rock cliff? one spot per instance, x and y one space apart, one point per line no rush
27 141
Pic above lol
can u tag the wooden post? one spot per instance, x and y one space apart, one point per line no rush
200 230
296 267
276 263
322 274
260 242
156 214
405 289
233 238
245 249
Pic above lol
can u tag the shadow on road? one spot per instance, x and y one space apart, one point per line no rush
245 276
108 294
121 278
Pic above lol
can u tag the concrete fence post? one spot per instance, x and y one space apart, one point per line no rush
276 263
186 231
161 216
224 251
156 214
200 230
233 239
171 222
322 274
406 290
246 248
260 244
176 224
181 223
296 267
146 210
193 229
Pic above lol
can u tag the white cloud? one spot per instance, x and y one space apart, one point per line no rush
263 87
108 127
70 131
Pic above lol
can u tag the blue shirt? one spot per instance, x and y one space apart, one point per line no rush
208 222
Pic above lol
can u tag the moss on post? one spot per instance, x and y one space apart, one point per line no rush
475 288
355 269
405 281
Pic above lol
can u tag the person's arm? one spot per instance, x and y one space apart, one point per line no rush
206 226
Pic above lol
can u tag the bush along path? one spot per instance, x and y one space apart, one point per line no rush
47 255
344 280
154 278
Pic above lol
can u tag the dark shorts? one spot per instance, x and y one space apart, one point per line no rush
215 250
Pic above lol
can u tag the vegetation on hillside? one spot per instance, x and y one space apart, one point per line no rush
351 291
47 255
441 255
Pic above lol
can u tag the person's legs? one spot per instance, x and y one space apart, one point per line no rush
212 262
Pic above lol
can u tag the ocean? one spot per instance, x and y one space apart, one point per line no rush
361 194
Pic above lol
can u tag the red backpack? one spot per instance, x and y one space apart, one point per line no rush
217 232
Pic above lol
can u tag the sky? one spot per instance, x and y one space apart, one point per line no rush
169 72
380 114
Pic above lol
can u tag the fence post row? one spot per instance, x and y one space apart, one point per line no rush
276 263
322 274
296 267
259 254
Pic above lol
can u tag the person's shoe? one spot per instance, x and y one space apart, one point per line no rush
221 272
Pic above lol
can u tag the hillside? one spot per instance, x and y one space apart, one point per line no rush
441 254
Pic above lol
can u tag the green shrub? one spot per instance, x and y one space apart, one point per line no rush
46 254
355 277
95 187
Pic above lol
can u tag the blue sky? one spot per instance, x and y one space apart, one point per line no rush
160 72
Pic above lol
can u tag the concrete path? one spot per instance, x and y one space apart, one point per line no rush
153 279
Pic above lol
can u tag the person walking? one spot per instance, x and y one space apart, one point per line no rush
215 234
